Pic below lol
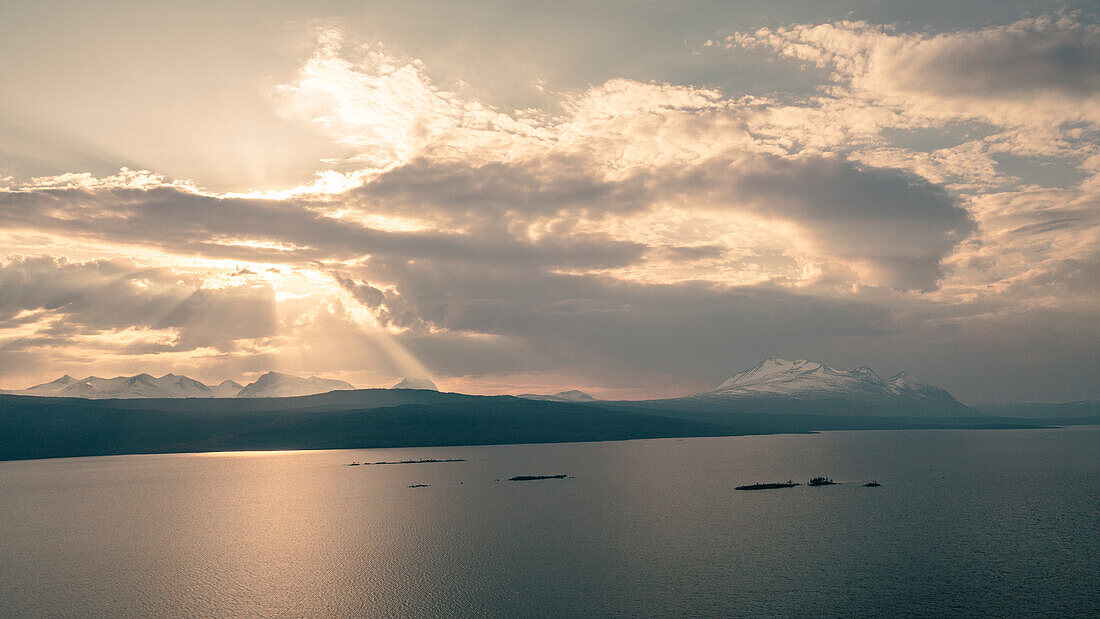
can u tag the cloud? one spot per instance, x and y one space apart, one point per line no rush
102 316
389 307
549 212
498 190
273 230
383 106
56 298
899 225
610 327
631 233
100 294
1036 71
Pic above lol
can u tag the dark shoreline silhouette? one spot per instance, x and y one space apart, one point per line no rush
43 427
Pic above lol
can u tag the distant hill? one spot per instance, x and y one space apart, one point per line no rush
1044 410
48 427
416 383
226 389
42 427
573 395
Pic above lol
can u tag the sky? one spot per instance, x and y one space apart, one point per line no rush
636 199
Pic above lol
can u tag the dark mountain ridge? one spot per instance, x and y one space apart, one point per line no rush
44 427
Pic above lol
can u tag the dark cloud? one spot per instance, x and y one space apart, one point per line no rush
607 327
537 186
1058 54
99 296
900 223
390 309
102 294
219 317
186 222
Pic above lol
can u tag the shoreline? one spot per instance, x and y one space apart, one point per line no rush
263 452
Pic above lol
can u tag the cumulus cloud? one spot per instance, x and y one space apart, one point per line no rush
386 107
1040 70
897 224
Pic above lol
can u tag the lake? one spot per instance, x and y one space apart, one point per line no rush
967 522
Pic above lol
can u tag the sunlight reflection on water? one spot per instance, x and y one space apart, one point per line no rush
967 522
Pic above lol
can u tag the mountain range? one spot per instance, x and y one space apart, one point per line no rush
269 385
172 413
774 385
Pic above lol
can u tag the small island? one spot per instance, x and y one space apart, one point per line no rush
427 461
419 485
821 481
771 486
536 477
873 484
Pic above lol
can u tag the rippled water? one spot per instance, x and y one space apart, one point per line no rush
967 523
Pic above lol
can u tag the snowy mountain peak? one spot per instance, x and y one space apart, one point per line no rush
772 369
269 378
144 385
413 382
226 389
904 377
573 395
279 385
800 383
906 383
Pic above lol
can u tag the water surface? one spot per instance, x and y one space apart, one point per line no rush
968 522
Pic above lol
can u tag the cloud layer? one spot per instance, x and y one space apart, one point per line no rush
639 237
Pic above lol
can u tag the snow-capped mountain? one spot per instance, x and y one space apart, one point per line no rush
412 382
52 388
226 389
136 386
573 395
811 387
278 385
144 385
